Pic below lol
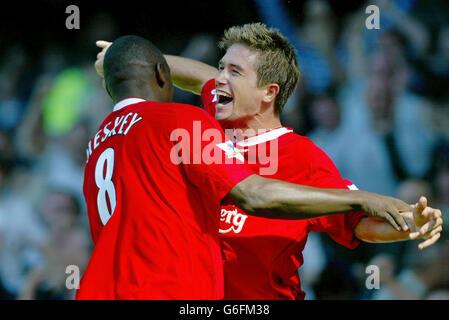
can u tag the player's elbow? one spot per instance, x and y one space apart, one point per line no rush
251 195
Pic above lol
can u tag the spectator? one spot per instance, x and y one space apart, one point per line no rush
327 131
335 282
386 127
67 244
315 261
20 229
425 271
12 92
56 127
314 40
360 41
441 185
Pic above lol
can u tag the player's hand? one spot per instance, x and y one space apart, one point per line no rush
387 208
104 45
429 223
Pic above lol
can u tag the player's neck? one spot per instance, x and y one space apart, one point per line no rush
249 127
147 94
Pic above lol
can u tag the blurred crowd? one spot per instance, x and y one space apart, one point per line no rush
376 101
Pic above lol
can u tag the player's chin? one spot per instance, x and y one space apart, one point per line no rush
223 111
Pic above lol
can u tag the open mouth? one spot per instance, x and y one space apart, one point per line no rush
224 98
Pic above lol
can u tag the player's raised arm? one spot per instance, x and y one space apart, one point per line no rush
187 74
277 199
425 223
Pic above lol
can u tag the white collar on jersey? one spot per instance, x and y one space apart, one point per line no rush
264 137
126 102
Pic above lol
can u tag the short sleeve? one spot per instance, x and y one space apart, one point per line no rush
340 227
210 162
209 97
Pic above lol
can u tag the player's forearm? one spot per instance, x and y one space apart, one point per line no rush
374 230
280 200
189 74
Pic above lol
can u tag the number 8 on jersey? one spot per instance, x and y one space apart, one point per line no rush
105 184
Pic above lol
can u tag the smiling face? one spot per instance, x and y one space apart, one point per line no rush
239 97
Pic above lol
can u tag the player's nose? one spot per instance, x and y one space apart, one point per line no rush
221 78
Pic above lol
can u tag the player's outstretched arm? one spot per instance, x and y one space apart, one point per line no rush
425 223
271 198
187 74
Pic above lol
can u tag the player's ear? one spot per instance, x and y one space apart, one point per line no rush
106 87
161 75
271 91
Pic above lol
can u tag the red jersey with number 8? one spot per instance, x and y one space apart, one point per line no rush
153 207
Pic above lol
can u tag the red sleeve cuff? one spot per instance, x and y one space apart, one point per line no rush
208 96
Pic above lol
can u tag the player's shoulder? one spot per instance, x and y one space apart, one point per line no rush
171 106
186 107
304 151
300 141
303 148
175 109
152 106
187 112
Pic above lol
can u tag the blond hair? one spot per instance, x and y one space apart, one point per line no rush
277 57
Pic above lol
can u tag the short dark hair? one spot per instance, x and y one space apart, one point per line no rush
131 58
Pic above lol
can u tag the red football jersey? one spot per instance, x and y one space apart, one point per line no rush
154 219
261 256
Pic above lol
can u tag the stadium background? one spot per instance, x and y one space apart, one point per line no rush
375 100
